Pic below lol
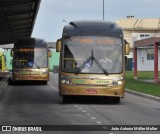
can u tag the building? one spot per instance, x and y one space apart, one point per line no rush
139 29
54 59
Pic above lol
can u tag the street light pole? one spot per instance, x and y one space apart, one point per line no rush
103 10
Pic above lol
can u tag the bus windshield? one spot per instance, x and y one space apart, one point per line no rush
30 58
0 62
92 54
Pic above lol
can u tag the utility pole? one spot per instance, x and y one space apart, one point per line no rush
103 10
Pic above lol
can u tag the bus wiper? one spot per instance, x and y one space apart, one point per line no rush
101 67
86 61
79 69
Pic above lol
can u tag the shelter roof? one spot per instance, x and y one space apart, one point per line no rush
17 18
147 42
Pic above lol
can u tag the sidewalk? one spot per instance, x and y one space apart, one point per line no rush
4 76
147 80
143 95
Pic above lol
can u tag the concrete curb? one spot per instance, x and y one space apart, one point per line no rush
143 95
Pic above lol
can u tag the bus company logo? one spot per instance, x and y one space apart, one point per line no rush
6 128
88 65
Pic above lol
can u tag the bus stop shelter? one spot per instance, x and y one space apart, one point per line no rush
17 19
153 42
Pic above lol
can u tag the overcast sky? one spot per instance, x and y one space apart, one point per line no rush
49 23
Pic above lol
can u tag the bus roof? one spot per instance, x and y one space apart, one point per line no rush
90 28
30 42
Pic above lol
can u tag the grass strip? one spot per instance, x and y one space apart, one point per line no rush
143 87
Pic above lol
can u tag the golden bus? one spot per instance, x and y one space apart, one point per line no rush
30 60
92 60
2 62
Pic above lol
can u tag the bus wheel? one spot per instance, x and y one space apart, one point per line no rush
65 99
10 81
45 82
116 99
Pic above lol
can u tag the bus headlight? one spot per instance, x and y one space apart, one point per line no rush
115 83
119 82
44 72
63 81
68 82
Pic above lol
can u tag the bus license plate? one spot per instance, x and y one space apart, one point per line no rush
90 91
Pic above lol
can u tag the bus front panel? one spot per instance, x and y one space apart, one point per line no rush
30 63
92 85
31 74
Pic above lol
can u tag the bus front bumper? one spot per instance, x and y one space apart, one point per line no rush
83 90
30 77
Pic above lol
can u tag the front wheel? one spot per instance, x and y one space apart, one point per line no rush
65 99
10 81
116 99
45 82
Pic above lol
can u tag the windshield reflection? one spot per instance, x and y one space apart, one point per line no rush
92 54
30 58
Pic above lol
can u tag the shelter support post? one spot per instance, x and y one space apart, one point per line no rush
156 62
135 63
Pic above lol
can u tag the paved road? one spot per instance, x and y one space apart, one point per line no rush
32 104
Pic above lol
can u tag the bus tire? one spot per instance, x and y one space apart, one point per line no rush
116 99
10 81
65 99
45 82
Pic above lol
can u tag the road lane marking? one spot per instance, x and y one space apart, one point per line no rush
98 122
84 111
76 105
53 87
93 118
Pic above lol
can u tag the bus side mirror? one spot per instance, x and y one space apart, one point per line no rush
127 49
58 45
12 53
49 53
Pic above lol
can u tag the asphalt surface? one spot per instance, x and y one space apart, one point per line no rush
37 104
